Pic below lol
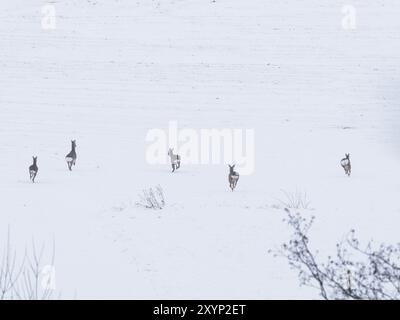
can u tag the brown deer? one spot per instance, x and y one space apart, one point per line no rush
233 177
33 170
175 159
346 164
71 157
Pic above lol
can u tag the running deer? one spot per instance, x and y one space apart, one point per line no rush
346 164
233 177
33 170
175 159
71 157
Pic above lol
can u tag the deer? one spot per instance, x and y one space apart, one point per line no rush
346 164
175 159
71 157
33 170
233 177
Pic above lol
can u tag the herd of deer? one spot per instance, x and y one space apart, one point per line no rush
233 176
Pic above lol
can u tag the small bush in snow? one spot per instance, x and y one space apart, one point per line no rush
295 200
152 198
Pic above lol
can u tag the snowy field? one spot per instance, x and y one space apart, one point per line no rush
112 70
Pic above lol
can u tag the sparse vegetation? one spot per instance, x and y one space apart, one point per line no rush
152 198
295 200
370 273
26 277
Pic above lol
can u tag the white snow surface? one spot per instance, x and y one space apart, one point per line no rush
114 69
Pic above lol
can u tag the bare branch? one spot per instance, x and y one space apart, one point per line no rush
354 273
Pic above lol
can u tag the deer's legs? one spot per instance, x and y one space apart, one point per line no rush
32 176
173 168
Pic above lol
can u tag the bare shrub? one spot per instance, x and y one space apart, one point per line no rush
10 270
26 277
152 198
355 272
295 200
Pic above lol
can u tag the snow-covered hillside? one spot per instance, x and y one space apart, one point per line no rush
112 70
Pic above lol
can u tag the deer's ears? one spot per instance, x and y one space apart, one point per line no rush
231 166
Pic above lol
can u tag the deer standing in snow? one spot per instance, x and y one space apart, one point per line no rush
33 170
175 159
346 164
233 177
71 157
